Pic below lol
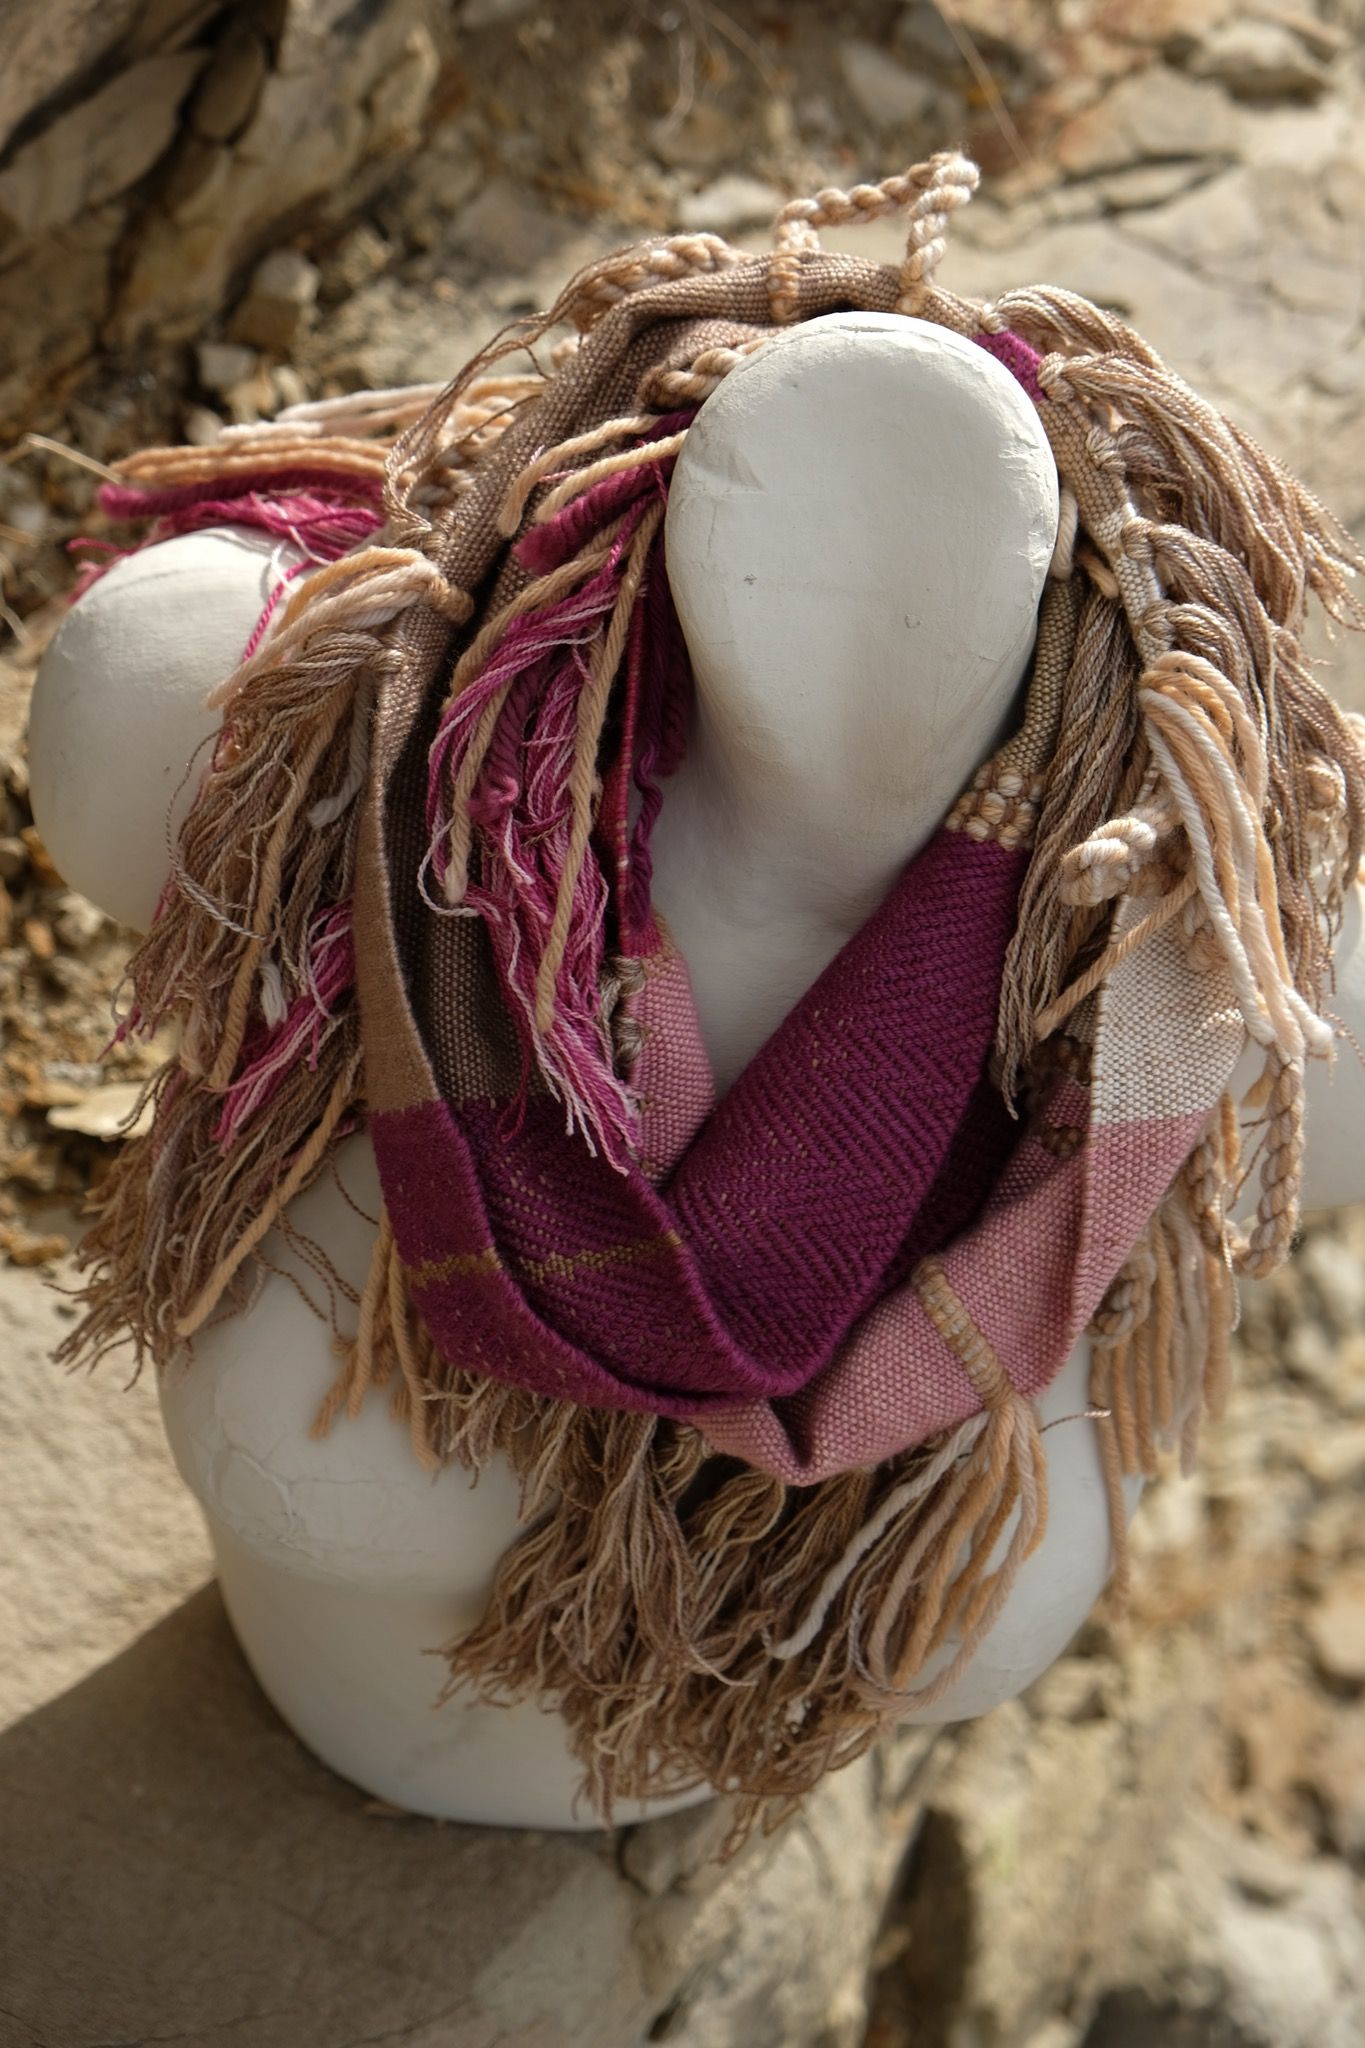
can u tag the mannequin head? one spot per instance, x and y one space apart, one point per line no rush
859 529
825 575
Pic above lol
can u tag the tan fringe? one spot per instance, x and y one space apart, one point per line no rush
178 1214
694 1621
1211 551
1174 625
1160 1344
303 1169
1108 1366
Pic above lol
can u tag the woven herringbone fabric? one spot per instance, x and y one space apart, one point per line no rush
754 1269
856 1132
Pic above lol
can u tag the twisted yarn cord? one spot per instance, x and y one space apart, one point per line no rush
928 194
1127 1297
558 457
365 412
1245 874
601 285
358 594
607 465
1049 1020
926 240
1111 860
169 468
1277 1212
667 388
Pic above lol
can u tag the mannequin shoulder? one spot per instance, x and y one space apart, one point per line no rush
118 707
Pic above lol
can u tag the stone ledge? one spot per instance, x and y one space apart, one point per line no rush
179 1869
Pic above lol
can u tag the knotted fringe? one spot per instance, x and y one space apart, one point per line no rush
1197 762
693 1620
698 1622
1198 766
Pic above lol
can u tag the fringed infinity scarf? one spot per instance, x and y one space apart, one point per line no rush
764 1365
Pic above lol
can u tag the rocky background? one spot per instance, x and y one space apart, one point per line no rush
208 211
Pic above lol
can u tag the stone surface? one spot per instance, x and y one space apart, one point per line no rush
211 127
492 13
101 1540
1141 186
232 85
212 1876
730 204
49 46
1341 1783
279 301
1154 114
1036 1846
116 1110
100 147
889 95
503 228
222 364
1336 1630
397 102
1260 60
174 1866
1011 36
1271 1949
1337 1459
1331 1267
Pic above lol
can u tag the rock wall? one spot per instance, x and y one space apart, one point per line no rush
148 152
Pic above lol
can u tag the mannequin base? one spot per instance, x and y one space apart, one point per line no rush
344 1666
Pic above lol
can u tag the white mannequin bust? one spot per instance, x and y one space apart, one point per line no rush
858 533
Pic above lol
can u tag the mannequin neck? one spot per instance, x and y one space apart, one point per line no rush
858 532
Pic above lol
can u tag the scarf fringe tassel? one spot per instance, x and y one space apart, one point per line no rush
699 1623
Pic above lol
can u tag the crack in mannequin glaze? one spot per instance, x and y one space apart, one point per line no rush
858 534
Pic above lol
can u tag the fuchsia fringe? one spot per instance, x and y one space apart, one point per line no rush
520 810
521 806
324 522
300 507
655 711
275 1049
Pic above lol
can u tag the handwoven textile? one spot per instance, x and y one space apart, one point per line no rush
764 1363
